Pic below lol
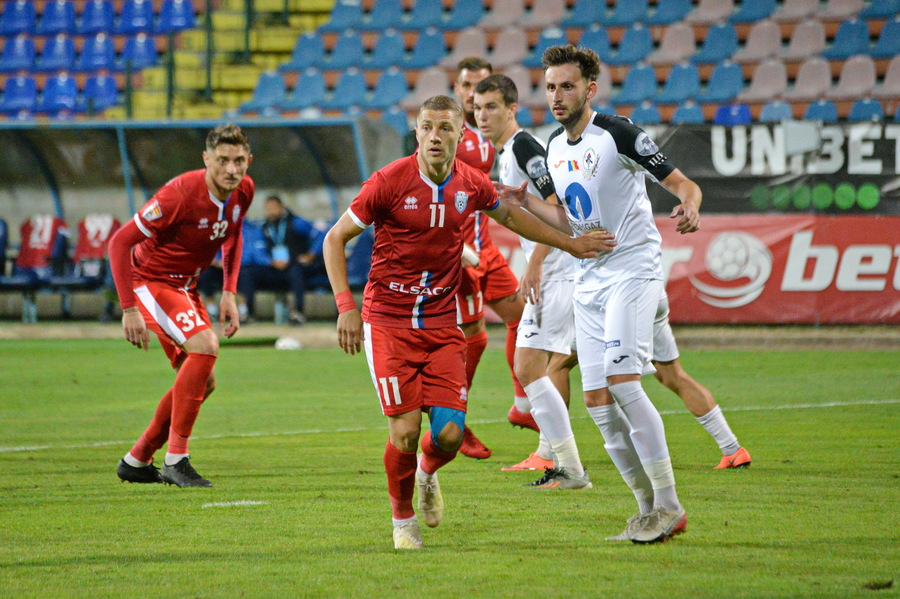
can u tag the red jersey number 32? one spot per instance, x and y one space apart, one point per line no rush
219 228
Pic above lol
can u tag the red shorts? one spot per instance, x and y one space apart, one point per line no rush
175 314
417 368
491 280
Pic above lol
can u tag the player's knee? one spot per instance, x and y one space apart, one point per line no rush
670 376
406 440
447 426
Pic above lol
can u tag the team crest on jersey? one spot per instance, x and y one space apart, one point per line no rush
203 224
462 200
152 212
644 146
236 213
591 162
411 203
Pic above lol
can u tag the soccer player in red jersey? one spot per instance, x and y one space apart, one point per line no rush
156 259
415 350
487 278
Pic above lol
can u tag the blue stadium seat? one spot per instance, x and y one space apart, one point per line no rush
98 16
866 109
464 14
388 51
625 14
688 113
347 52
390 88
309 51
350 91
601 108
524 118
636 44
385 14
175 15
269 93
880 9
888 44
721 42
428 51
897 113
646 113
60 94
425 14
139 51
551 36
396 118
596 38
346 14
18 17
775 112
18 54
98 52
58 55
58 17
639 85
852 38
683 83
4 242
822 110
136 16
750 12
308 92
668 12
19 94
584 14
733 115
726 82
99 94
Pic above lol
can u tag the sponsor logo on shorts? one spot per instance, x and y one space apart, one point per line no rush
610 344
530 335
619 359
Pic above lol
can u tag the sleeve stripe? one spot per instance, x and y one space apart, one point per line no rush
140 225
356 219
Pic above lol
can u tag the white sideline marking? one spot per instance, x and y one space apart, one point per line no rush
234 503
680 412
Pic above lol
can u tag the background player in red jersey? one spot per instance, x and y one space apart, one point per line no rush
487 278
415 351
156 259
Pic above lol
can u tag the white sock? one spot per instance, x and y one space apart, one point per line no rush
618 444
522 404
715 424
134 462
544 450
174 458
421 473
550 412
663 480
647 430
402 521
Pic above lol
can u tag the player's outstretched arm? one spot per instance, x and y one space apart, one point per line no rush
120 244
552 214
688 211
349 323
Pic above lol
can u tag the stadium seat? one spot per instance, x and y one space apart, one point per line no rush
721 42
857 79
18 54
807 40
309 91
683 83
309 51
43 249
58 55
880 9
139 52
601 108
604 88
866 109
346 14
503 13
388 51
852 38
464 14
750 12
639 85
585 14
58 17
431 82
89 260
347 52
821 110
688 113
544 13
839 10
97 53
18 16
385 14
396 118
889 88
710 11
551 36
471 42
524 118
769 81
522 78
510 48
763 41
725 83
668 12
775 112
99 94
175 15
813 80
268 94
136 16
897 113
428 50
596 38
795 10
389 89
646 113
636 45
60 94
19 95
732 115
4 242
888 44
350 91
424 14
98 16
624 14
677 44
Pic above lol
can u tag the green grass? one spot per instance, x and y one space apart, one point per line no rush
301 432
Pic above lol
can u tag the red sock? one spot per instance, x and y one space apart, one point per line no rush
187 396
433 457
400 467
157 432
474 349
512 331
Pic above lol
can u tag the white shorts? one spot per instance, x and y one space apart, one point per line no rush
550 325
614 330
664 347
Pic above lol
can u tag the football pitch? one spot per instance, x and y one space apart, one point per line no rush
293 442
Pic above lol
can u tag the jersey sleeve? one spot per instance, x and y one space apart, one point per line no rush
364 207
487 198
532 160
158 212
633 143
